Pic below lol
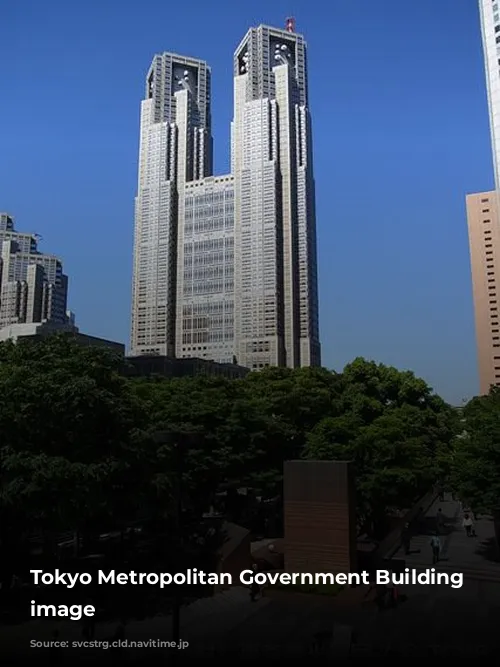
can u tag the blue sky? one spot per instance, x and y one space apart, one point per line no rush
401 133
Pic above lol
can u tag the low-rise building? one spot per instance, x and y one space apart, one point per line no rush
40 330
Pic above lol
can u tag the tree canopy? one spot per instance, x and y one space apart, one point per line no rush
476 460
79 441
393 427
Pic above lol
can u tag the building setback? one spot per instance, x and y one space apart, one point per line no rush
225 267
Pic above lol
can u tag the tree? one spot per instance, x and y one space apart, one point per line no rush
395 430
289 403
206 419
476 462
70 449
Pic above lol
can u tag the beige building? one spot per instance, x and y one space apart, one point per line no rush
484 241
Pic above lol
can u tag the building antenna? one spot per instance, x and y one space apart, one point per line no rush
290 24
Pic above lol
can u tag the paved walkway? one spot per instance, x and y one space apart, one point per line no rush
433 621
473 556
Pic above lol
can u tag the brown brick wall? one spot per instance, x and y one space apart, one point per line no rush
320 520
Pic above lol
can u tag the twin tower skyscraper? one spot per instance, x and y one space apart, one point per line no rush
225 267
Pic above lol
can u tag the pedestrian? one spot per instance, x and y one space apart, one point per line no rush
468 524
436 548
406 538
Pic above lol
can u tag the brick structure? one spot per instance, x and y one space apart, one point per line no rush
320 518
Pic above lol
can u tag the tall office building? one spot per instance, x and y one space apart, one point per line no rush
483 217
33 287
276 294
175 149
225 266
489 12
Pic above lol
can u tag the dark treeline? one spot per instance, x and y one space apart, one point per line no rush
85 449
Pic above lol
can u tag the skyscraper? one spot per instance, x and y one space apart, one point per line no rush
225 266
276 296
33 287
175 148
489 13
483 217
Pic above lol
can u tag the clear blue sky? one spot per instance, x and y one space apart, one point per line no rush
401 134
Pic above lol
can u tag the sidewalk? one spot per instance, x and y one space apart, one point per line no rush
474 556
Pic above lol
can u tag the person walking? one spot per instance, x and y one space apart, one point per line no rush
468 524
436 548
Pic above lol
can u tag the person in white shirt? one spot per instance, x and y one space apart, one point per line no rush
468 524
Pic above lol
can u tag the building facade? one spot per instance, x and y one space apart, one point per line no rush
276 294
489 14
484 243
175 148
206 278
154 365
33 287
483 215
225 267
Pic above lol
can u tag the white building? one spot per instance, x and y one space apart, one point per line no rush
175 148
490 30
276 294
225 267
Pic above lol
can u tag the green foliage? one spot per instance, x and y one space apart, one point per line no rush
80 443
476 462
69 429
396 431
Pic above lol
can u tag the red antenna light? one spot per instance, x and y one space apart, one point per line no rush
290 24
